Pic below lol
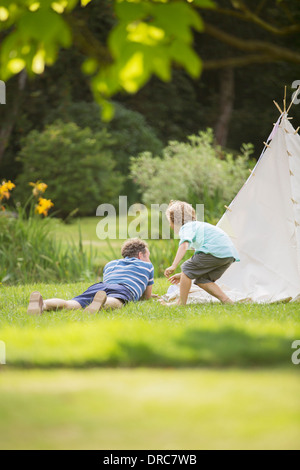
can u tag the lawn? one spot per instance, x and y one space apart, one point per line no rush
146 333
149 409
146 376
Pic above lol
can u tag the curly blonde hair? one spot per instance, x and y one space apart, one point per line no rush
180 212
132 247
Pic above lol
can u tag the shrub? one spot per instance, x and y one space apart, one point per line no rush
28 250
192 171
75 162
130 134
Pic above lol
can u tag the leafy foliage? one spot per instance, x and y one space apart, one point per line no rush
76 164
192 171
31 43
30 253
147 38
129 134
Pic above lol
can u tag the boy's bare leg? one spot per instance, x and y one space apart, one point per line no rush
112 302
184 289
55 304
213 289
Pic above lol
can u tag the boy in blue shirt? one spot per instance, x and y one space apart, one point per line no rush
214 253
124 280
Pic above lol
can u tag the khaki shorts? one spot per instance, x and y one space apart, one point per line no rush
205 268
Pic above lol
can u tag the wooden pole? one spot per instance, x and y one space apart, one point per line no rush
278 107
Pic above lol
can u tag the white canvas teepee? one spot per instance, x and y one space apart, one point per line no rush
263 222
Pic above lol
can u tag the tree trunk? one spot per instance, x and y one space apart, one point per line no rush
226 105
11 112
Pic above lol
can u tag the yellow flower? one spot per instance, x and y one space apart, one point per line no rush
43 206
5 187
38 188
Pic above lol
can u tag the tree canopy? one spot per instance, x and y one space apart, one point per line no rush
146 38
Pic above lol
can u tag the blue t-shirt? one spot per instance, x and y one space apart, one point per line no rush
207 238
132 273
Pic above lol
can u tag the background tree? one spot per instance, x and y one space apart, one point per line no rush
247 52
85 176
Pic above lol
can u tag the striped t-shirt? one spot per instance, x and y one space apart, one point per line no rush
132 273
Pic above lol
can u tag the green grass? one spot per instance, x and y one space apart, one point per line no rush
149 409
146 376
145 333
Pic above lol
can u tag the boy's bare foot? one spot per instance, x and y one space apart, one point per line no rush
282 301
35 306
167 304
241 301
246 300
98 302
227 300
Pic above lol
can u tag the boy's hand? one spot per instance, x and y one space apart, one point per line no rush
169 271
175 279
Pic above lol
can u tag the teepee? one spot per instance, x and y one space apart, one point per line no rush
263 221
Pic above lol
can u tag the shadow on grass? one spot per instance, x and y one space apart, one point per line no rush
198 347
188 346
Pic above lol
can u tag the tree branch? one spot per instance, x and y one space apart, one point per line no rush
263 24
251 17
268 49
237 61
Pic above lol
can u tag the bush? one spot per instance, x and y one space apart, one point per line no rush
193 172
29 253
76 164
130 134
28 250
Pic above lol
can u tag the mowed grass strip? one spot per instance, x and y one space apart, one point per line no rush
145 333
149 409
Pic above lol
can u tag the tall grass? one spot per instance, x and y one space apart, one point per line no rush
29 253
162 254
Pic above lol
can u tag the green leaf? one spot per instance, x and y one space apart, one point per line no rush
186 56
36 26
203 3
144 42
132 11
4 14
89 66
177 19
33 43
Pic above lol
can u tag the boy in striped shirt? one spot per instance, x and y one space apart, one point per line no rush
124 280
